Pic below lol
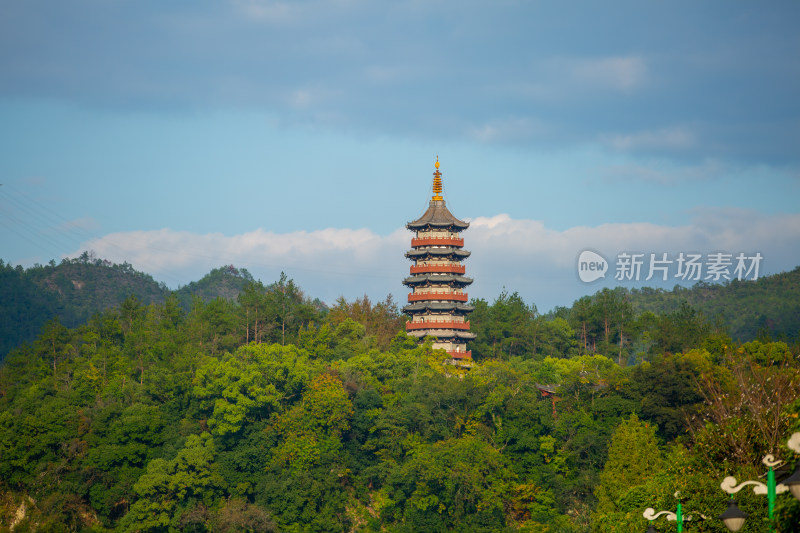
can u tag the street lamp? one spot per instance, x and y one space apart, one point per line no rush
733 517
793 481
651 514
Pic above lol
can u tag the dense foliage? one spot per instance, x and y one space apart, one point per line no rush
224 282
71 291
270 412
748 309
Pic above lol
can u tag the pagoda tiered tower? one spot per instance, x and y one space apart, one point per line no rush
437 303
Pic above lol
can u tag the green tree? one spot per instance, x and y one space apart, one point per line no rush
170 489
505 329
666 389
251 383
53 344
557 338
311 431
253 302
458 483
381 321
680 330
633 458
287 308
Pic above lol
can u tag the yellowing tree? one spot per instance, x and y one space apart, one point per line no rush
633 458
312 429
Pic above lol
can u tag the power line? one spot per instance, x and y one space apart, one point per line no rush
71 234
44 239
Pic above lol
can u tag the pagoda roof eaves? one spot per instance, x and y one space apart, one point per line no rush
437 216
443 251
438 306
437 278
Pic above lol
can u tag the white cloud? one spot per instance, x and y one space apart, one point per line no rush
394 74
455 63
624 73
522 255
292 11
301 98
273 11
565 80
653 172
679 138
512 129
35 180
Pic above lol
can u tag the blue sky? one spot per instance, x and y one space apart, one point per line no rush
300 136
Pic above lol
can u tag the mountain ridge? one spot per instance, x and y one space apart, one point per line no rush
75 289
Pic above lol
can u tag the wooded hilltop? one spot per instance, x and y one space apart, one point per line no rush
232 405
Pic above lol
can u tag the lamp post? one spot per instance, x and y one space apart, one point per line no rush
651 514
733 517
793 481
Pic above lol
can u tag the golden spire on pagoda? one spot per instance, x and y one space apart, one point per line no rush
437 182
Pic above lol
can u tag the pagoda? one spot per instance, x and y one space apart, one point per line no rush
437 303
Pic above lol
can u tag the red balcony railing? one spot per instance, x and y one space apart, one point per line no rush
460 355
430 295
437 241
434 324
451 269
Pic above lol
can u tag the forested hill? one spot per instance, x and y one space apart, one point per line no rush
72 291
75 289
748 309
271 413
224 282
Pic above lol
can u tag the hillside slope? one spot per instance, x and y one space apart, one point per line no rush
72 291
748 308
76 289
224 282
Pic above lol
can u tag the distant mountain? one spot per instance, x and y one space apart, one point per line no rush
224 282
749 309
72 291
76 289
